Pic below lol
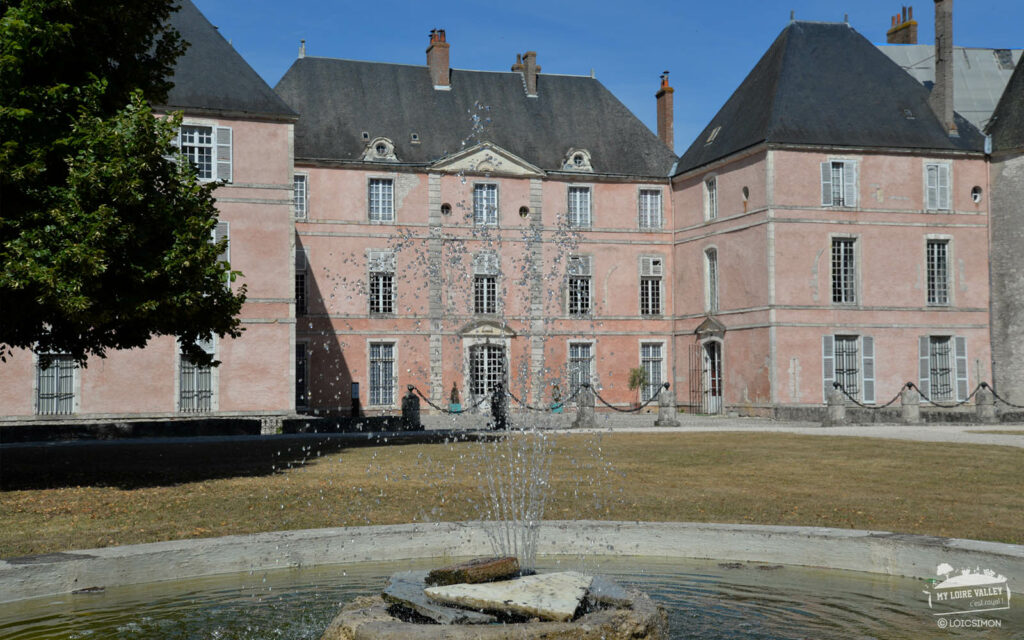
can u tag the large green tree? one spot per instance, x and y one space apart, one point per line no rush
105 239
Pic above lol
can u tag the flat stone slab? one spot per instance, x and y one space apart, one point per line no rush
606 591
406 589
548 596
475 571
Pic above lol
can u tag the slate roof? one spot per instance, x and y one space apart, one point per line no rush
1007 124
979 75
340 99
825 84
212 76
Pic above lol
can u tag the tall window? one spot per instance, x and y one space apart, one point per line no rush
485 283
382 373
937 257
850 361
940 367
650 209
301 371
486 368
581 363
55 386
711 282
844 271
579 285
195 385
651 272
937 187
839 183
579 207
651 361
208 149
301 190
485 204
301 262
382 199
711 199
848 364
382 282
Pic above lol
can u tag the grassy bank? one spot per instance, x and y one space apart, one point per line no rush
956 490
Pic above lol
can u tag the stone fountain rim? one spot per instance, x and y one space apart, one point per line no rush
878 552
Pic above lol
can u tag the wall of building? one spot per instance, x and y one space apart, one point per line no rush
1007 194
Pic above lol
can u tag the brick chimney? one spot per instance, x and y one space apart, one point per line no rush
941 99
437 60
665 113
526 64
904 28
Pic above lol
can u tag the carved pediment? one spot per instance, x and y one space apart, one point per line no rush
489 159
710 328
486 329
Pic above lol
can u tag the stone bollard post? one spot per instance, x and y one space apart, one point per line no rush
985 402
910 404
585 409
836 411
411 411
499 408
666 408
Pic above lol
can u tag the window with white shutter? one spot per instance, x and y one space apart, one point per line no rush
839 183
828 365
937 186
55 385
195 382
209 149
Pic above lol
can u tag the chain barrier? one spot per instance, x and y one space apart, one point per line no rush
556 405
838 385
634 409
1000 399
911 385
413 387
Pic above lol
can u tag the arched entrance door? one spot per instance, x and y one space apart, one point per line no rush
712 377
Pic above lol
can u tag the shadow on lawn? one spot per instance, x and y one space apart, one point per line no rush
130 464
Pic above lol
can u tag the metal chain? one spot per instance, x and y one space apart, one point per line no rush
1000 398
559 404
635 409
911 385
413 387
838 385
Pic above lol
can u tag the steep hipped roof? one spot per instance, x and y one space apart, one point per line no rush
825 84
1007 124
979 75
340 99
212 76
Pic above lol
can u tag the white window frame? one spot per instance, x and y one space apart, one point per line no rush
372 392
849 295
933 296
938 196
380 199
862 363
302 400
300 194
846 193
579 210
711 198
70 398
652 282
219 146
570 369
650 208
379 265
502 345
486 273
932 369
711 280
579 276
212 374
486 204
652 386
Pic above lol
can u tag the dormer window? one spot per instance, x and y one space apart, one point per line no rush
380 149
577 160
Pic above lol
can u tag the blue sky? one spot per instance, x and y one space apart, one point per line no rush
709 46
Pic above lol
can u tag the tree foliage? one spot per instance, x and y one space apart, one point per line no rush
105 240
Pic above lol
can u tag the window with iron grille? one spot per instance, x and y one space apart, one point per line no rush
651 271
301 194
195 384
937 255
485 204
382 373
940 364
579 207
844 271
55 386
651 361
579 281
485 294
581 363
382 199
839 183
847 363
937 187
650 209
486 368
209 150
301 371
711 284
382 282
711 199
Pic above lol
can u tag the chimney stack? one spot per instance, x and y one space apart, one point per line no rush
941 99
530 69
904 28
437 60
665 113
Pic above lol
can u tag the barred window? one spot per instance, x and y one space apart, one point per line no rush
382 199
651 361
937 256
382 373
486 368
844 271
301 195
650 209
195 388
581 362
579 207
847 364
55 386
940 364
579 285
485 204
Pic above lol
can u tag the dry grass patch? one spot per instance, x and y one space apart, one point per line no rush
956 490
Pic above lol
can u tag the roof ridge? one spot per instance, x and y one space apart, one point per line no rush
423 66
